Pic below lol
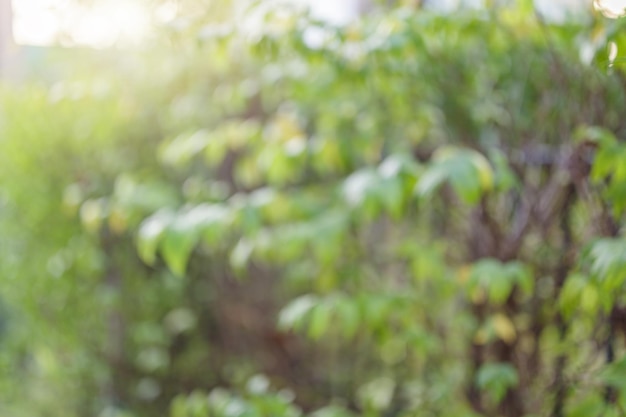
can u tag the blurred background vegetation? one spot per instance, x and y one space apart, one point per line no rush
256 212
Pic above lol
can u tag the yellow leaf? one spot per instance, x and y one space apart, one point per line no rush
118 221
91 215
485 172
481 337
463 274
504 328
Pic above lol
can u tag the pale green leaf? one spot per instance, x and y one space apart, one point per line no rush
468 171
178 242
150 233
349 316
377 394
320 320
241 254
359 186
293 315
181 149
608 257
431 180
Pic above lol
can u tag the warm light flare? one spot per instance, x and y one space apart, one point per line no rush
612 9
47 22
112 22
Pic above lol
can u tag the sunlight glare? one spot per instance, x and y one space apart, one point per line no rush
611 8
35 22
112 22
166 12
49 22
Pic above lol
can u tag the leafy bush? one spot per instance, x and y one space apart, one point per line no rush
416 214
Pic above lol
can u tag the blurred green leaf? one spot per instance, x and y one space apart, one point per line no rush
349 316
150 233
293 315
320 320
569 298
496 379
468 171
499 279
377 394
180 150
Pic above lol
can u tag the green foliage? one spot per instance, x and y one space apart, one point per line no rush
415 214
468 171
608 167
496 379
607 263
498 280
258 401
